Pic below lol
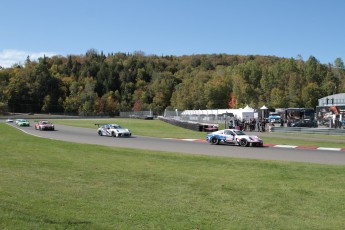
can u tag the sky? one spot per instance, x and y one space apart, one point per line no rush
289 29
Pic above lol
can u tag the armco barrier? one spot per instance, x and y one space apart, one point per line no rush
186 125
189 125
324 131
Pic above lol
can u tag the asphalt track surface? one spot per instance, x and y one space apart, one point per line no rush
90 136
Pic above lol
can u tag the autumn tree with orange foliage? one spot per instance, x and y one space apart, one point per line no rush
232 101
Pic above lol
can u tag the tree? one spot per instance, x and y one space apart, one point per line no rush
232 101
292 83
313 74
122 82
240 89
161 89
277 98
46 104
3 108
87 96
339 64
108 104
71 104
18 92
217 92
294 89
339 74
189 94
310 94
266 85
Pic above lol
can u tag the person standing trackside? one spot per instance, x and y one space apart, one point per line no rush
259 125
253 125
231 124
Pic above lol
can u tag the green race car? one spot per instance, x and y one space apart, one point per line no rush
22 122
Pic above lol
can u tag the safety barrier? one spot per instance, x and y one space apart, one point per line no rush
324 131
190 125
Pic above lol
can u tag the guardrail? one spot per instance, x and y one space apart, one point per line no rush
324 131
190 125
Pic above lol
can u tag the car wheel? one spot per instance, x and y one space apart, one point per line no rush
40 128
214 141
243 142
113 134
100 133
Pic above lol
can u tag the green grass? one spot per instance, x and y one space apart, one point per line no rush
153 128
47 184
157 128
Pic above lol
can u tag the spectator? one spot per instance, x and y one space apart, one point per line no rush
231 124
259 125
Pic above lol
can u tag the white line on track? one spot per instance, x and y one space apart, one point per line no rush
330 149
286 146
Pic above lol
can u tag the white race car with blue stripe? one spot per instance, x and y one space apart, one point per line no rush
233 136
113 130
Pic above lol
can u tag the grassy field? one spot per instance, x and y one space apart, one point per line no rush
157 128
47 184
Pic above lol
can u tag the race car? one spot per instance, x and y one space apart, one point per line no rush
113 130
22 122
44 125
235 137
9 120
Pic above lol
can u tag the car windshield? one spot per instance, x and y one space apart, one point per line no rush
116 126
44 122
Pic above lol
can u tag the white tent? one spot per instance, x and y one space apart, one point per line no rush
264 110
245 113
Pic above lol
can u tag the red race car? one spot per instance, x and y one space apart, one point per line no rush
44 125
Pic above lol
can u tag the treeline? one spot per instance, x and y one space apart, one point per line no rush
107 84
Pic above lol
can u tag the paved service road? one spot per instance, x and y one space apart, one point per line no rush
90 136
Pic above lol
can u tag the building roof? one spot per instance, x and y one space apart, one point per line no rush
335 99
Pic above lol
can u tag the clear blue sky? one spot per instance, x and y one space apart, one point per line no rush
175 27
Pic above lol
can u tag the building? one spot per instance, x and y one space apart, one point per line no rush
331 110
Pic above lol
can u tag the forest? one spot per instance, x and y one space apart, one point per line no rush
99 84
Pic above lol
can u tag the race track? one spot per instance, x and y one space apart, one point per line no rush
90 136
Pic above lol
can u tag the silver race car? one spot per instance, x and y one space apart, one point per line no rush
113 130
